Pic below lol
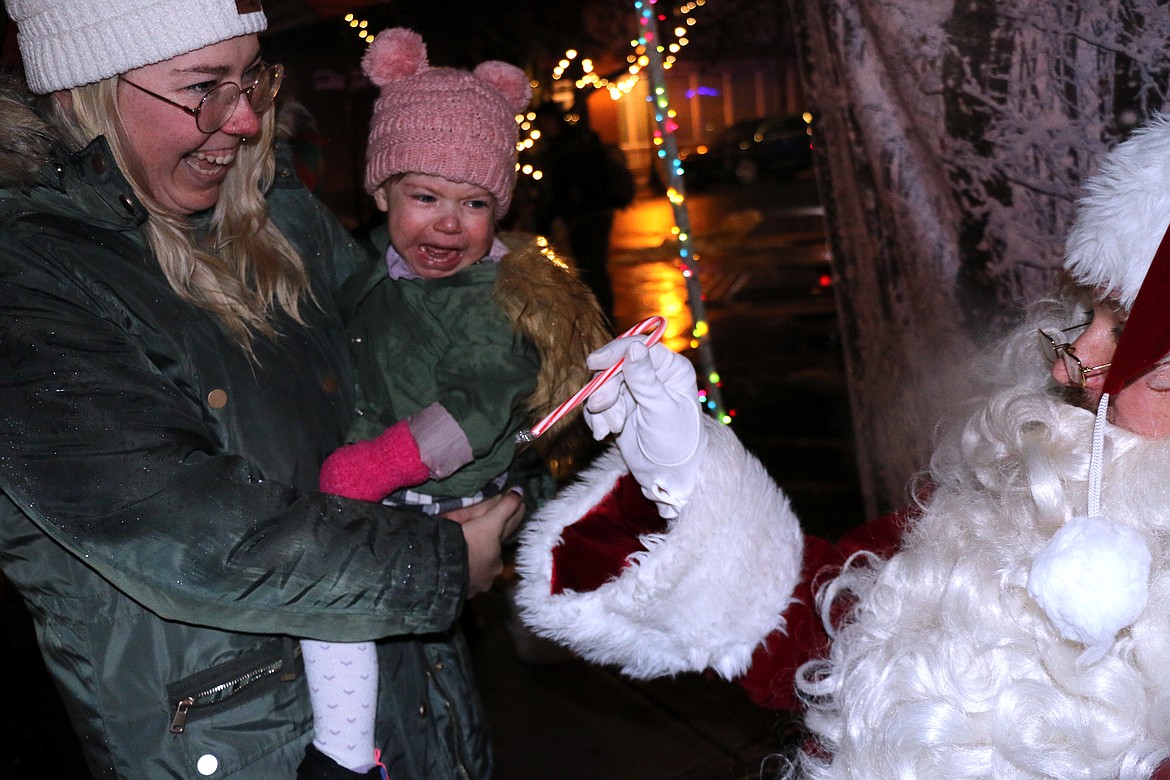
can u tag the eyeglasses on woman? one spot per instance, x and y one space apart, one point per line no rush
218 105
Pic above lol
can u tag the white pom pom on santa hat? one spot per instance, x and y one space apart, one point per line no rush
1092 580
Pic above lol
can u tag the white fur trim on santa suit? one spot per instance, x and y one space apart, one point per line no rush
1121 220
703 595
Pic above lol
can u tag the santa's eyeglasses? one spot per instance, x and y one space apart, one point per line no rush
1055 350
216 107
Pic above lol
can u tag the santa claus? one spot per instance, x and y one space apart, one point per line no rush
1014 623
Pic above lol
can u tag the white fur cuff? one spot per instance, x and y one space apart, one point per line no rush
703 595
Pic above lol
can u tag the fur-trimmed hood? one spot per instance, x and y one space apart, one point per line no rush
27 140
555 311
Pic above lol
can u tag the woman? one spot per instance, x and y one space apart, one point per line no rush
174 372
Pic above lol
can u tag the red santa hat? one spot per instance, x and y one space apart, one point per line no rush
1119 245
605 575
1092 577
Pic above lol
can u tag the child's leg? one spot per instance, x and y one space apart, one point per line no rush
343 690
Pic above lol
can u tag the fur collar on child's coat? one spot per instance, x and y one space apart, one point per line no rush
556 311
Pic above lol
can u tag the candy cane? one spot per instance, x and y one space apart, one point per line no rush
655 325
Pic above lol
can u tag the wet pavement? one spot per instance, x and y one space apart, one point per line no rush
773 330
772 314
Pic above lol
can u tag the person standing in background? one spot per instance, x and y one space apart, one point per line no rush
587 183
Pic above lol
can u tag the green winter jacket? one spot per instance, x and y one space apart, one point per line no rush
447 342
158 511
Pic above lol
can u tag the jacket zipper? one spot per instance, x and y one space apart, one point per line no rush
460 757
218 693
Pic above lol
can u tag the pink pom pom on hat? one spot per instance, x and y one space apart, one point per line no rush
457 124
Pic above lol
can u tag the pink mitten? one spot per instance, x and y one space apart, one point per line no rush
373 469
652 405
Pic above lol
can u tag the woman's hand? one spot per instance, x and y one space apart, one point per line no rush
485 526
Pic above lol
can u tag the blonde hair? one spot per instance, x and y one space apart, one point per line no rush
244 270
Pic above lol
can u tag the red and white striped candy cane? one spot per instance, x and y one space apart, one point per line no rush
655 326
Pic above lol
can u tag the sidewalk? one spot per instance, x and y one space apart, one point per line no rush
575 721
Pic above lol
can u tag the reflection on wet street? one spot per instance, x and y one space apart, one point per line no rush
654 288
767 286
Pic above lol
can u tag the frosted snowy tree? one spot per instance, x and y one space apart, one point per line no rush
952 141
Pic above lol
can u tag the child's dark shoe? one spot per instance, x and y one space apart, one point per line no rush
318 766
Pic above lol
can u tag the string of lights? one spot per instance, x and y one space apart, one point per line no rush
529 135
362 26
688 260
638 60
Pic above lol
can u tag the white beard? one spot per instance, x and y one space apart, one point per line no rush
948 668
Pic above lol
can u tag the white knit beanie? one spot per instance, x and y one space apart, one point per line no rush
68 43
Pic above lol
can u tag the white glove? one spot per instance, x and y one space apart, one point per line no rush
653 407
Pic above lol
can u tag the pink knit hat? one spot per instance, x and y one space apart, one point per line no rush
456 124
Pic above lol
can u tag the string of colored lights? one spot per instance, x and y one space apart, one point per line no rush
638 60
688 261
362 27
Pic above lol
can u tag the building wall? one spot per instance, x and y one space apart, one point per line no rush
705 99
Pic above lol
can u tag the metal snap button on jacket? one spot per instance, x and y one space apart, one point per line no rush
217 398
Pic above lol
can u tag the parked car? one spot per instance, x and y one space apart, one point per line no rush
747 151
